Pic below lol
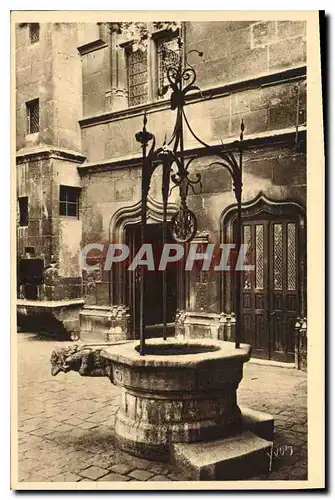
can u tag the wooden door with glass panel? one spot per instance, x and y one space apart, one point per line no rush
270 298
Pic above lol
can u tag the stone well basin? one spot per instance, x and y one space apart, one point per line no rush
179 392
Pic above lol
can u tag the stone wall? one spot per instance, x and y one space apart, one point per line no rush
253 71
51 71
236 51
52 236
34 79
34 179
264 109
279 172
67 86
96 66
256 63
103 194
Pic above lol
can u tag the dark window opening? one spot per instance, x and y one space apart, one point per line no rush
29 250
33 116
68 201
24 213
34 32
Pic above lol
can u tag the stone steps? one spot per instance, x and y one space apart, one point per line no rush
234 458
258 422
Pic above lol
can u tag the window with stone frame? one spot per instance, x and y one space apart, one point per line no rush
137 69
69 201
167 55
34 32
33 116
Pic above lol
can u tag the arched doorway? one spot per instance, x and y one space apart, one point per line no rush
124 284
274 293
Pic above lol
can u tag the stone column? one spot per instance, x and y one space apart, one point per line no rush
119 83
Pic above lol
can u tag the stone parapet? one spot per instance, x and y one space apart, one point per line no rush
194 324
104 323
58 318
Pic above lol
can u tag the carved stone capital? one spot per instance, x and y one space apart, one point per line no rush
179 324
120 92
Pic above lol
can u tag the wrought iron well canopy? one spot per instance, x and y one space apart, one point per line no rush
175 169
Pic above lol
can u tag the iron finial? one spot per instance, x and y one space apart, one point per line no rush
242 130
144 136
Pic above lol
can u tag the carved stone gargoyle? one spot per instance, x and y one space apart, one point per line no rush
85 360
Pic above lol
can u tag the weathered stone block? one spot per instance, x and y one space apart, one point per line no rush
239 40
282 117
204 30
221 127
263 33
244 102
262 168
93 143
287 29
216 107
233 458
248 63
102 293
67 288
196 324
287 53
277 95
93 84
213 73
34 224
236 25
58 319
93 103
215 179
255 121
290 170
95 61
123 191
260 423
103 323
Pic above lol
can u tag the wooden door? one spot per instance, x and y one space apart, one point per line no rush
270 295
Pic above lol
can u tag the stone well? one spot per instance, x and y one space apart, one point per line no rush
179 392
178 402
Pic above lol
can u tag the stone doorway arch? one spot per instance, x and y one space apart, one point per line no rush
130 216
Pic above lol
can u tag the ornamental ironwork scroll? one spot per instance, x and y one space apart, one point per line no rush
176 173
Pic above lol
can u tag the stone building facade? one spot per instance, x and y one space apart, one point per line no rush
79 176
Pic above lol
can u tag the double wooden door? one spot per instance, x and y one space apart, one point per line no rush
270 295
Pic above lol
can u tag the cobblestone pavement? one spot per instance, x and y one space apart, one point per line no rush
65 424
